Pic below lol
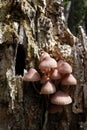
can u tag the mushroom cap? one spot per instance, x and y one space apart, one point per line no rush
61 98
48 88
44 55
31 75
64 67
47 64
69 80
55 108
55 75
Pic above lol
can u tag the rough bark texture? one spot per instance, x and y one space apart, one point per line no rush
27 27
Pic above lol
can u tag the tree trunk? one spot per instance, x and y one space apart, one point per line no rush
77 15
26 29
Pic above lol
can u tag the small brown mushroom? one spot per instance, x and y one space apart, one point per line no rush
61 98
69 80
64 67
47 64
32 75
48 88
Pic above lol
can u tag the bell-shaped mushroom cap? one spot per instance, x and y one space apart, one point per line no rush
47 64
48 88
69 80
55 75
55 108
61 98
64 67
44 55
31 75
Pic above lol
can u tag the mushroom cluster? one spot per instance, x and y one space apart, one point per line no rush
53 75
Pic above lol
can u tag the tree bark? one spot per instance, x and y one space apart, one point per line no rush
26 29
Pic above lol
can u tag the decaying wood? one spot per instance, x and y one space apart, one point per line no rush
28 27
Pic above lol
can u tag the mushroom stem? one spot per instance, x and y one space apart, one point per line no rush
56 82
35 88
45 121
66 89
49 72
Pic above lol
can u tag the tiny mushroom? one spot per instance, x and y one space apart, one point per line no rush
48 64
55 75
32 75
43 56
64 67
61 98
48 88
69 80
